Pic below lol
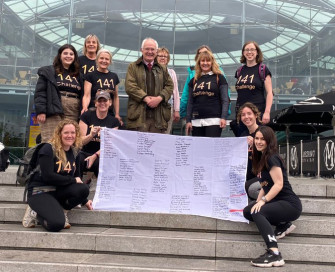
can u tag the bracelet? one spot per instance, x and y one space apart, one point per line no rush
96 153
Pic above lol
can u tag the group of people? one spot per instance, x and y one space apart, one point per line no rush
83 89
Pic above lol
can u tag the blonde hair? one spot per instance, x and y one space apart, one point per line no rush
56 140
91 36
164 49
207 56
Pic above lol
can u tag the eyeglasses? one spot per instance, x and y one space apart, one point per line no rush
161 56
250 50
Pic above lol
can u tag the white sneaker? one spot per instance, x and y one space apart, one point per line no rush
67 223
30 218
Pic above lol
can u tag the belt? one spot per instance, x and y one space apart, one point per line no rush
67 94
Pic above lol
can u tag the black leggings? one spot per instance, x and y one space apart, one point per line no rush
272 213
49 206
207 131
83 164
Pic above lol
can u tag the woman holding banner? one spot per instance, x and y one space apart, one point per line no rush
57 187
276 203
90 125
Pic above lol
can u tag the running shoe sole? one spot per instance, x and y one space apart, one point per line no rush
286 232
272 264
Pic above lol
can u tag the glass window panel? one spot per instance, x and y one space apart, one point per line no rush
296 37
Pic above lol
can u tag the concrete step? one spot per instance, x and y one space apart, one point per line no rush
309 187
44 261
310 205
121 241
9 176
306 225
313 187
15 194
164 243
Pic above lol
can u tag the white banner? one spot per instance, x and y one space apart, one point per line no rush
149 172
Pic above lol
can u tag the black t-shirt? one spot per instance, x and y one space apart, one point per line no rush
86 65
53 171
250 87
67 83
206 96
102 81
250 174
90 119
286 192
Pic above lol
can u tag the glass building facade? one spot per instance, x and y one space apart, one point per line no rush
296 37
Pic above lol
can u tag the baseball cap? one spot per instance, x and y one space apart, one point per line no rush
102 94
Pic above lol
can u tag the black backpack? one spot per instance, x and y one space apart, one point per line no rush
28 165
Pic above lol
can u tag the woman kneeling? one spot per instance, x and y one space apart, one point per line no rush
57 187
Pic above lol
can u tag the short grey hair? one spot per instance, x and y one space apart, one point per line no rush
147 39
103 50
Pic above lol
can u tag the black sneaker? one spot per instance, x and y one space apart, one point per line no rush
268 259
284 229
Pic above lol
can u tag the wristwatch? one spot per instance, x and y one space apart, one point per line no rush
264 199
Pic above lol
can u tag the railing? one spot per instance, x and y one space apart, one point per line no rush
310 158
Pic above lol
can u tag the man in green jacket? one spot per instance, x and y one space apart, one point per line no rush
149 87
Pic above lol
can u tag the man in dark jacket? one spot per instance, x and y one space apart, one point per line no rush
149 87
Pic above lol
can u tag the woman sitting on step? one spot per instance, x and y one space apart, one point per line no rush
276 203
57 187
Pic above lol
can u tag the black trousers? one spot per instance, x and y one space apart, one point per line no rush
207 131
4 155
272 213
49 206
83 164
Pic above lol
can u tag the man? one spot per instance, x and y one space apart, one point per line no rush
149 87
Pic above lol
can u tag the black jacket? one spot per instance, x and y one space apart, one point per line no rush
47 97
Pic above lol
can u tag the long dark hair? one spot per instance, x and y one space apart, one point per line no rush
260 159
74 67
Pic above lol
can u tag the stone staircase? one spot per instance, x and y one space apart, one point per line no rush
141 242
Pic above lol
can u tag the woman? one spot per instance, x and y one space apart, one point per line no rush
276 203
58 91
163 58
57 187
90 124
90 50
102 80
191 73
250 86
249 115
208 99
